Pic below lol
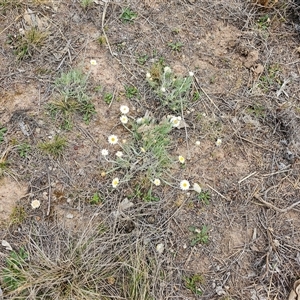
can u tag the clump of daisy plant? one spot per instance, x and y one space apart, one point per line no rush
172 90
144 152
142 156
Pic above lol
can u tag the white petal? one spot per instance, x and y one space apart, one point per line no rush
69 216
160 248
197 188
6 245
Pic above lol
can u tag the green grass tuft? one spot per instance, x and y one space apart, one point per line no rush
55 147
73 98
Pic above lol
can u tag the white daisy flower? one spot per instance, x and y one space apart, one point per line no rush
218 142
124 119
167 70
197 188
163 89
113 139
93 62
191 74
181 159
175 121
115 182
104 152
119 154
124 109
184 185
148 75
35 204
156 181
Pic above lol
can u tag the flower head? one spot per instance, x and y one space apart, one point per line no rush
156 181
175 121
115 182
119 154
35 204
148 75
167 70
198 143
113 139
181 159
160 248
184 185
163 89
191 74
197 188
124 119
124 109
93 62
218 142
104 152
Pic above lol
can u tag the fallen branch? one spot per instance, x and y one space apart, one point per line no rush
281 210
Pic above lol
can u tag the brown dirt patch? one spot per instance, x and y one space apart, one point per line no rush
10 193
21 97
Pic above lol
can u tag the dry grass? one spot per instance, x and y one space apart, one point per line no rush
95 263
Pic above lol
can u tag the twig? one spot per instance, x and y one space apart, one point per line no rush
270 205
189 257
107 41
281 90
175 212
249 141
281 210
217 192
186 133
15 20
112 100
247 177
87 134
49 191
275 173
203 91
